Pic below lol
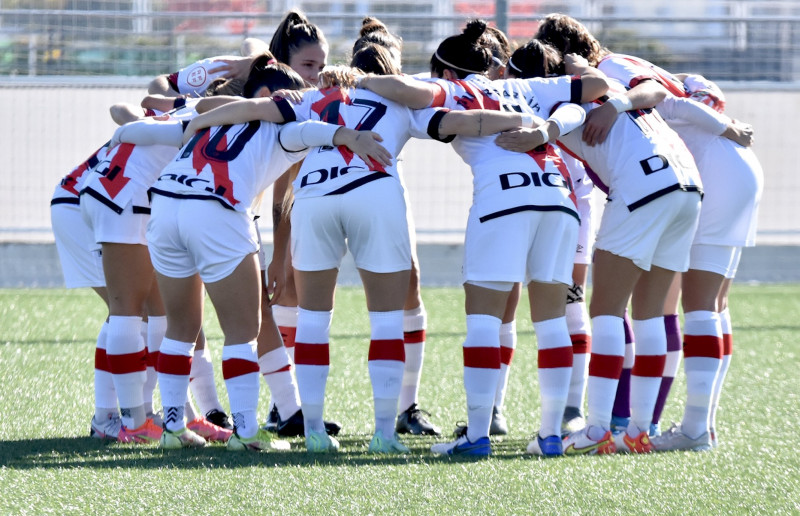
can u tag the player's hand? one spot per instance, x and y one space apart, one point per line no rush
575 64
293 96
365 144
275 279
522 139
238 67
598 124
740 133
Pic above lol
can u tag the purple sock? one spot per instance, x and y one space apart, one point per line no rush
673 329
622 401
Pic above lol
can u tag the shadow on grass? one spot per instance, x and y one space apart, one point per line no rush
86 452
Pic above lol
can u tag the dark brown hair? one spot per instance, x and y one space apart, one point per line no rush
463 53
535 59
569 36
265 71
293 33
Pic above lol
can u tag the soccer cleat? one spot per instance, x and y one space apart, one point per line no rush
271 425
157 417
183 438
105 429
295 426
573 421
674 439
219 418
209 431
413 421
580 443
550 446
321 442
380 444
713 435
619 424
655 429
259 442
463 446
498 426
147 433
627 444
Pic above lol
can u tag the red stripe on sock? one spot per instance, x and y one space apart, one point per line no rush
605 366
387 349
101 360
727 344
174 364
581 343
127 363
152 358
651 366
555 357
233 367
287 367
506 355
482 357
288 334
702 346
311 354
414 337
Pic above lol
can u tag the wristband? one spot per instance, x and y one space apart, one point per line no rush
527 120
179 102
621 103
542 129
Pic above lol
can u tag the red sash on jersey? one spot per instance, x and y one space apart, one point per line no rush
669 82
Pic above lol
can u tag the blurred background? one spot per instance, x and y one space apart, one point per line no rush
64 62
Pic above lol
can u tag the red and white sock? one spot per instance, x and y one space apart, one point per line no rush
312 363
276 369
202 383
286 319
174 366
727 352
555 371
648 366
156 328
580 333
240 370
415 321
386 363
702 356
125 350
508 343
481 372
605 366
105 396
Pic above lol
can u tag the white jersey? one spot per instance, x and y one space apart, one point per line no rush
68 189
507 182
332 171
195 78
127 171
640 160
231 164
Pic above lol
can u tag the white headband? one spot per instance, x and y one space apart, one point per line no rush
451 65
511 64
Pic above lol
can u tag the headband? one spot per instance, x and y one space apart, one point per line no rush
451 65
511 64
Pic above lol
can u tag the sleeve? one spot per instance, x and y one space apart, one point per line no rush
699 115
299 136
195 78
150 132
626 71
424 124
568 117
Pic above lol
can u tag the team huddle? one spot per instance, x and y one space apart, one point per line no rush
164 212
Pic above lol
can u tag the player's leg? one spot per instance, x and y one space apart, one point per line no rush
508 343
674 348
580 334
727 348
155 328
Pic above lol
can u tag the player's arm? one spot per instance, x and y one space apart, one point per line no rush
241 112
295 137
646 94
123 112
209 103
707 119
482 122
162 103
161 86
566 118
404 90
149 131
594 83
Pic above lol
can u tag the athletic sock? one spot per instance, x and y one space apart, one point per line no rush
580 333
674 340
202 382
702 355
312 363
125 350
277 372
386 365
415 321
240 370
155 328
286 320
727 352
508 343
481 350
189 410
622 398
605 365
105 396
174 365
555 370
651 353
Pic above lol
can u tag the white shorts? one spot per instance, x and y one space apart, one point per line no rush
586 232
192 236
109 227
659 233
521 247
369 220
81 262
719 259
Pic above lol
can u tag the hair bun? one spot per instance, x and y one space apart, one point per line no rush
474 30
370 25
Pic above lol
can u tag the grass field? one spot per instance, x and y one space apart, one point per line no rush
49 465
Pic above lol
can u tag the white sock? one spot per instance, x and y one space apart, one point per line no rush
702 353
240 370
651 353
312 363
605 365
277 372
481 372
727 353
555 371
386 364
508 343
202 383
174 364
105 395
580 333
415 321
125 350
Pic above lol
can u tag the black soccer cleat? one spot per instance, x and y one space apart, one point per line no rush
271 424
219 418
499 425
294 426
413 421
